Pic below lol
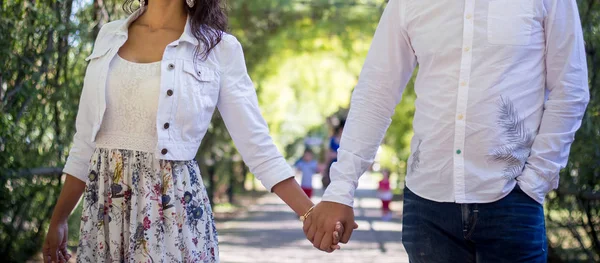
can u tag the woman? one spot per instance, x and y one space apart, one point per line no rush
151 86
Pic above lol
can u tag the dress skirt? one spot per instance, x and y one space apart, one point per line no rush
141 209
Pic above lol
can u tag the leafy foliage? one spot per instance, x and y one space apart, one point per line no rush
304 57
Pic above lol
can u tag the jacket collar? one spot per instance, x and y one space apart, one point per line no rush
187 35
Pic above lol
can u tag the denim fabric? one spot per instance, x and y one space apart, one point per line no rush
509 230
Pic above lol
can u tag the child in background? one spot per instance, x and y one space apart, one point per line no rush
308 166
334 145
384 192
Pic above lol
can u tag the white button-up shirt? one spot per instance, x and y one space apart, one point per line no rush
190 90
501 90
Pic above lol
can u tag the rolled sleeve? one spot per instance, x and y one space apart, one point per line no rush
568 96
388 68
238 105
78 162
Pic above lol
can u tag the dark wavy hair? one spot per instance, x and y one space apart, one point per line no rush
208 22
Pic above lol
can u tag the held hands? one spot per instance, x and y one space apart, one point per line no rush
328 224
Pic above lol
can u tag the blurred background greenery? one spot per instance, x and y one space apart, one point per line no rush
304 57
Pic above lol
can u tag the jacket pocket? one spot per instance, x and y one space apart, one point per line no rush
199 77
510 22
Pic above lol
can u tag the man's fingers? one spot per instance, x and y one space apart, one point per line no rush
318 238
347 234
312 230
326 242
306 226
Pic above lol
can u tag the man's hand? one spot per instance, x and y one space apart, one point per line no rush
320 224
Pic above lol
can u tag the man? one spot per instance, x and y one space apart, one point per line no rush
501 90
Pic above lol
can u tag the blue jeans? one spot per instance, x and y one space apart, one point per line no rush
509 230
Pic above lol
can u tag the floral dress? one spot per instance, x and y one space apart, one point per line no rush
138 208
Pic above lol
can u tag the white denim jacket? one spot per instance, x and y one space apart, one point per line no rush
190 90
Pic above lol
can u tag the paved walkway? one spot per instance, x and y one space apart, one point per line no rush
270 232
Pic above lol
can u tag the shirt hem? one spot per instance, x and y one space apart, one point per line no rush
466 201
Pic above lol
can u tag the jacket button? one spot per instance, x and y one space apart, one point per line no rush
164 151
171 66
170 92
166 126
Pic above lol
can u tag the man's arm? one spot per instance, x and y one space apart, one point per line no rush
568 95
388 68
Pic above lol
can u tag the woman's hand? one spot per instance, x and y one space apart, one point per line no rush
337 233
55 245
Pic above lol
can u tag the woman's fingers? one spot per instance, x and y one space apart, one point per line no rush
337 233
61 258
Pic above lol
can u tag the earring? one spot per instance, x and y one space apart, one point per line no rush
190 3
142 3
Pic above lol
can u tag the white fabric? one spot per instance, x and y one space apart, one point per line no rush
385 195
131 105
199 86
483 122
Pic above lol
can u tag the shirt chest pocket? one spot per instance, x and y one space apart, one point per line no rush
510 22
200 80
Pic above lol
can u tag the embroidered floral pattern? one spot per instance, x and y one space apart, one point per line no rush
141 209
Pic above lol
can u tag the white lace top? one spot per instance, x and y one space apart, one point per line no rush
131 106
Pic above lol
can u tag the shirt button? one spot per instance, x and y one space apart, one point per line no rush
166 126
469 16
467 49
170 92
464 83
164 151
171 66
460 117
458 151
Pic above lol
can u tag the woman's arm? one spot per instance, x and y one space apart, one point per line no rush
55 245
68 199
238 105
290 192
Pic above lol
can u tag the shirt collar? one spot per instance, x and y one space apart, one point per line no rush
187 35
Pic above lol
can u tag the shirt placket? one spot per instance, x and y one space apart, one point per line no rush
461 102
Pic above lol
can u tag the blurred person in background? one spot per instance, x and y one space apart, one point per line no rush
332 153
308 167
384 192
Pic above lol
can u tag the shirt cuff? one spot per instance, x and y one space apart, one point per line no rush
79 170
535 185
273 173
340 192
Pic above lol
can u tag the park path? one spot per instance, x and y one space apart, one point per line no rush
270 232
